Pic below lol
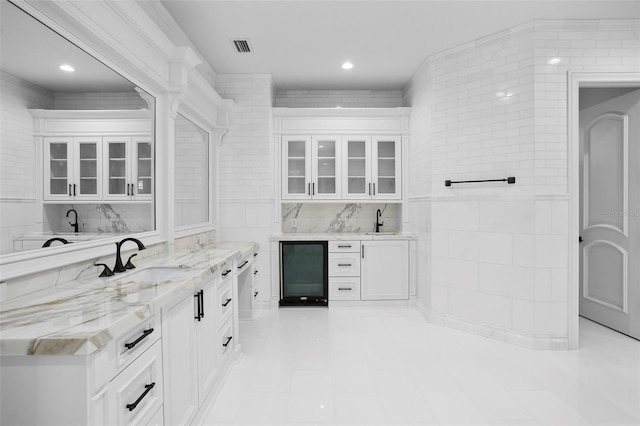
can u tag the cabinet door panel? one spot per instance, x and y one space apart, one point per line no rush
58 168
386 167
117 163
142 173
385 270
356 171
325 183
180 363
87 168
206 332
296 167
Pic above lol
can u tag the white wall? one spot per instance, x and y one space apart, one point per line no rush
499 253
246 167
17 157
339 98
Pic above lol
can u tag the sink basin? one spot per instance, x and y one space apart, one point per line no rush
154 274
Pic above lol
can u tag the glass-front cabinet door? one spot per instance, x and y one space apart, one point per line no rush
296 167
129 164
386 167
72 169
356 176
88 168
325 184
143 169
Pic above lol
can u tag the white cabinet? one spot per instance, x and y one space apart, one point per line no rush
371 167
385 270
72 168
129 167
344 270
95 155
311 167
341 154
247 287
190 353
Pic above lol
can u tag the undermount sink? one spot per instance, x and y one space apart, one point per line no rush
155 274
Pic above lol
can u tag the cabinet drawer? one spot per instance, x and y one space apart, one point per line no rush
344 288
227 340
226 301
244 263
344 264
344 246
225 271
137 391
137 341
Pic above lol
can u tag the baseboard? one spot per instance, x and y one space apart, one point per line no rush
525 340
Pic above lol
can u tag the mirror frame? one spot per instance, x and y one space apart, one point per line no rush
189 113
13 265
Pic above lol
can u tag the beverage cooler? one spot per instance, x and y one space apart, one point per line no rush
304 273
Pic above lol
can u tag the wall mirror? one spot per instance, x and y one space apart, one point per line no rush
76 142
192 174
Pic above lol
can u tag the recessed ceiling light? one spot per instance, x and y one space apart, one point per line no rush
554 61
347 66
67 68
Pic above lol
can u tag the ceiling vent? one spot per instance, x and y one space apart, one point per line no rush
242 45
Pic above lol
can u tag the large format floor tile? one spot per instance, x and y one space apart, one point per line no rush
391 367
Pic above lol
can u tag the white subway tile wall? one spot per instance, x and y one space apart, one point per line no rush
487 110
339 98
17 156
246 167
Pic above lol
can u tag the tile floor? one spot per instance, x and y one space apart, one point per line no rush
391 367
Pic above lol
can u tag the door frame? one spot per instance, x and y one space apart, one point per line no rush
577 81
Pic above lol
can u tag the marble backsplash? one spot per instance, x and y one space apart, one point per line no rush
127 218
339 217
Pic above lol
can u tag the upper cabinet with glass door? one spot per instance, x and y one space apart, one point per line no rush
372 168
311 167
73 169
129 168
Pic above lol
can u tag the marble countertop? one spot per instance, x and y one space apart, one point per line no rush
82 316
340 236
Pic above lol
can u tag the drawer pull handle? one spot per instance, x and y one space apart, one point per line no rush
344 246
255 254
225 273
227 342
145 333
344 264
147 389
345 288
255 272
226 303
256 294
243 263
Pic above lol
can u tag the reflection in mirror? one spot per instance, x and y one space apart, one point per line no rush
191 174
76 142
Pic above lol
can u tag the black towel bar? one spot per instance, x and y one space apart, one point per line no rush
510 179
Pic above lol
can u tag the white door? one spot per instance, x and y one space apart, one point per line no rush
207 343
58 169
385 168
610 208
356 175
325 184
296 167
384 270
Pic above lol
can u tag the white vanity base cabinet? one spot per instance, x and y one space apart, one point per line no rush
384 273
66 389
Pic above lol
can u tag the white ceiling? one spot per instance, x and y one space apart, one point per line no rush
33 52
303 43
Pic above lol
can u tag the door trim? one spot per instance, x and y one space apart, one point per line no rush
576 81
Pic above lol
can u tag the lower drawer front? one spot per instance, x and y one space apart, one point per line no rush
226 339
344 288
344 264
226 301
137 390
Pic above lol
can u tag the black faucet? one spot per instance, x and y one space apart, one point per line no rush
75 225
119 266
50 240
378 223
